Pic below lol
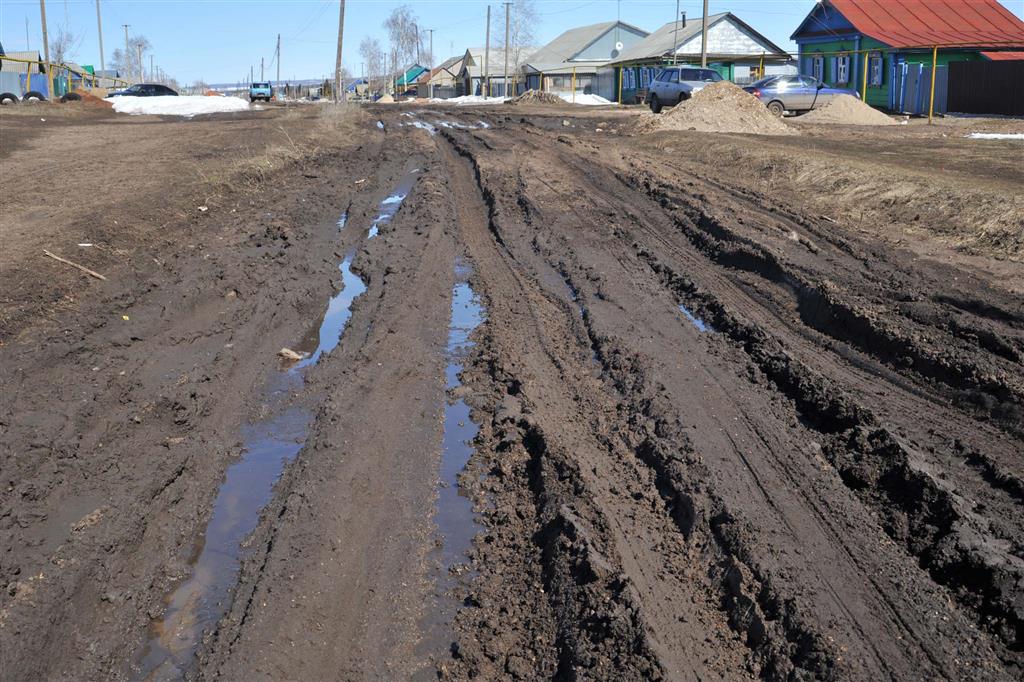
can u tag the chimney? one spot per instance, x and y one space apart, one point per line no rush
683 15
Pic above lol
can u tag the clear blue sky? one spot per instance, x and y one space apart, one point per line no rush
218 40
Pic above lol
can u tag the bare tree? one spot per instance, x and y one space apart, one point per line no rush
521 32
63 45
374 61
128 65
404 36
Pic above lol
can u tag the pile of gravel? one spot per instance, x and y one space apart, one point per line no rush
848 110
721 107
536 97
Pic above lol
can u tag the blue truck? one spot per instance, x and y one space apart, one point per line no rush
261 91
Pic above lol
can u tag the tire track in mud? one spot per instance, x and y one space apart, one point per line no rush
568 247
597 522
354 558
933 522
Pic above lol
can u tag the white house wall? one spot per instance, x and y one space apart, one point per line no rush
725 37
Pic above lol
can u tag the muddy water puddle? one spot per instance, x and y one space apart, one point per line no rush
268 445
390 204
456 521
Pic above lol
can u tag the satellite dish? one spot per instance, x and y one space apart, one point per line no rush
618 47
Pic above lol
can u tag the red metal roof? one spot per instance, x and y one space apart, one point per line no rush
1003 56
924 23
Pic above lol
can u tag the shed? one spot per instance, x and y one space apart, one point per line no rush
444 78
895 40
577 57
476 81
734 49
409 77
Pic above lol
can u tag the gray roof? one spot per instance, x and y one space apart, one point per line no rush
575 40
474 62
666 40
19 67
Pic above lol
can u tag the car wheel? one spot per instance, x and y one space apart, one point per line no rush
655 104
776 108
33 96
8 98
683 97
71 97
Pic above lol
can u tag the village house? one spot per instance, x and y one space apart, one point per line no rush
734 49
578 59
897 40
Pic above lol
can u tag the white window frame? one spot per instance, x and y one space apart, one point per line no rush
818 67
843 69
876 69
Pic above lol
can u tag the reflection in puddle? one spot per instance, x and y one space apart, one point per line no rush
269 444
339 309
455 519
700 324
389 206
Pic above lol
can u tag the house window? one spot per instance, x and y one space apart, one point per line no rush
843 69
818 67
875 69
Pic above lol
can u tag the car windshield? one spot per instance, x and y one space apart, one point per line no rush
706 75
261 85
765 82
134 89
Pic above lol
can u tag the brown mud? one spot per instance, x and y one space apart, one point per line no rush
723 429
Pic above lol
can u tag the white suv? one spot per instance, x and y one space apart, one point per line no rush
676 83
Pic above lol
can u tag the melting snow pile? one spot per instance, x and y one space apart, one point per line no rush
586 100
996 136
721 107
185 105
849 110
469 100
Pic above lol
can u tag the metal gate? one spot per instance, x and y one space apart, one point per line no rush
911 90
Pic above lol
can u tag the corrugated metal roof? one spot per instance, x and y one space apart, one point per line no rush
665 39
20 67
495 62
921 23
575 40
1004 56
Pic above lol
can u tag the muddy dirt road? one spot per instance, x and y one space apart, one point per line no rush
569 402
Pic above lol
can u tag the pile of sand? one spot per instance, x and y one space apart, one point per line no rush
849 110
721 107
88 99
536 97
386 99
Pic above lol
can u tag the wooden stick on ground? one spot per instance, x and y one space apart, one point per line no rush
84 269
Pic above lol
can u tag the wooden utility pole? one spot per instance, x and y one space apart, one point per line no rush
430 80
142 71
487 53
46 56
127 54
338 94
675 37
704 37
99 28
504 76
152 72
261 69
278 60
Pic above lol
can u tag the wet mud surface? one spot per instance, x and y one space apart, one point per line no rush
571 404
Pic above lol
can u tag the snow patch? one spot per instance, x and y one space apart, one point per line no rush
469 100
996 136
184 105
585 100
